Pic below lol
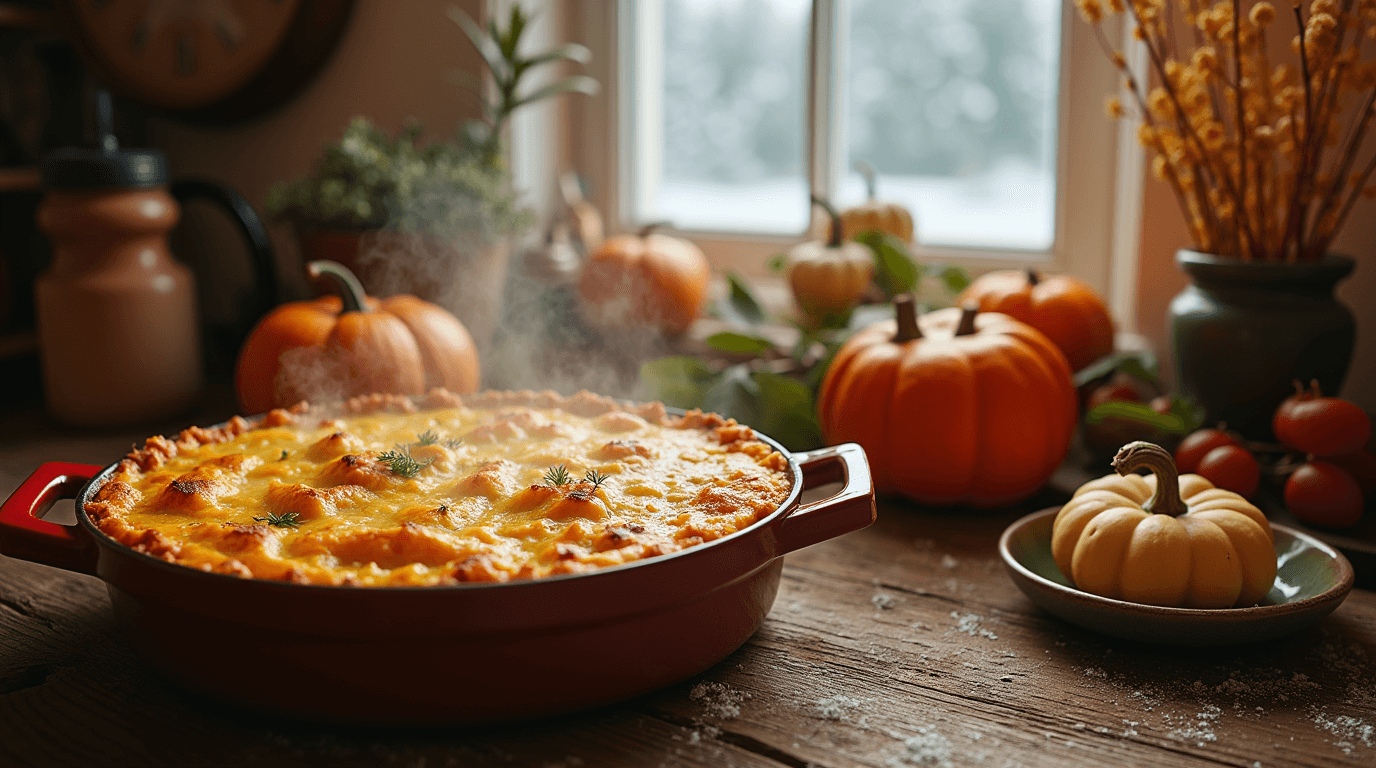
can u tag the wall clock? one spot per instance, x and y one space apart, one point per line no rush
206 60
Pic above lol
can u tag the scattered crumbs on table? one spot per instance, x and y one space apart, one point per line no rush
918 625
1094 672
926 747
1079 726
882 601
836 707
1201 730
1348 729
1131 727
970 624
949 562
718 700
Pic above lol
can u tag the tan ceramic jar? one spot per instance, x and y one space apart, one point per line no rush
116 314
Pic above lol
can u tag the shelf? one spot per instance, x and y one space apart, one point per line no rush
18 179
16 16
17 343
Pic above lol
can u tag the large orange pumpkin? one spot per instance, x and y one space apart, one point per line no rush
1069 312
644 279
957 407
352 344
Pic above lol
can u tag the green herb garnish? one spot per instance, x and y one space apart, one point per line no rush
283 457
453 443
428 437
557 476
284 520
401 462
596 478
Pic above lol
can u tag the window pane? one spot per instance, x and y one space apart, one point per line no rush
954 102
725 150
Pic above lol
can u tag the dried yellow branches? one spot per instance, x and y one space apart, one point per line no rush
1266 161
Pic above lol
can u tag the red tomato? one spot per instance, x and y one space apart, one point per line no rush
1232 468
1197 445
1362 466
1323 426
1324 494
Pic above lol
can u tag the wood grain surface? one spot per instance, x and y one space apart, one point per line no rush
901 645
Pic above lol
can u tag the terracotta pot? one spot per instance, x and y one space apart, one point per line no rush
467 653
470 283
1242 331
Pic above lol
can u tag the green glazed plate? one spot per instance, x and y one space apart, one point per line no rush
1312 579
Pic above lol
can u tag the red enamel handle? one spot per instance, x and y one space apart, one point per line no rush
849 510
24 535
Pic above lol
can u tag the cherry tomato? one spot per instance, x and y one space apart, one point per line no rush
1323 426
1362 466
1197 445
1323 494
1232 468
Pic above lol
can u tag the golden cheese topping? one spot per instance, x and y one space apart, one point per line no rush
387 491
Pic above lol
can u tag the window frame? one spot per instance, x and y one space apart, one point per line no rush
1098 162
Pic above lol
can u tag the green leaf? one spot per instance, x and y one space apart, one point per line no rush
487 46
777 263
1172 423
679 382
730 341
895 270
786 411
734 394
573 84
740 305
1139 365
955 278
566 52
1191 414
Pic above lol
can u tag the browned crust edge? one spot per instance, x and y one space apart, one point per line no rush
118 497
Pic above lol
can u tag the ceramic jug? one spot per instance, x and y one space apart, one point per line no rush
117 319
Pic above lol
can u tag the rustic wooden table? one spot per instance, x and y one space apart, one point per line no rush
901 645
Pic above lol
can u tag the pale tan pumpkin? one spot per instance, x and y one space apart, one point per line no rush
874 214
1167 539
829 276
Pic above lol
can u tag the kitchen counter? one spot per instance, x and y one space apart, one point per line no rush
902 644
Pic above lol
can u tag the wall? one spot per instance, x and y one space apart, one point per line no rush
395 61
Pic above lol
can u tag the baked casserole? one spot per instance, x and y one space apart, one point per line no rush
396 491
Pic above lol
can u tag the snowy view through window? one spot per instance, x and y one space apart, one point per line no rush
953 101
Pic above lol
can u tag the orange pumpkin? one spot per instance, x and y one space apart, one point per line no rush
341 346
957 407
873 214
644 279
1063 308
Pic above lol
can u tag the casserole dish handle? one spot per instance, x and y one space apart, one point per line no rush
24 535
851 509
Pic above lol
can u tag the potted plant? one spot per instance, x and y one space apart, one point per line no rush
430 218
1264 151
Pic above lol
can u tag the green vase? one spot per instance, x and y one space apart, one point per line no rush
1243 331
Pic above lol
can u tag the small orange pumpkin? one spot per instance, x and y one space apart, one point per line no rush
873 214
1063 308
644 279
957 407
352 344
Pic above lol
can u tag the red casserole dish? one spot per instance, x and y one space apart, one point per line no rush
468 653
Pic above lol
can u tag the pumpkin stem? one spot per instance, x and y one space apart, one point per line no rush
1033 278
967 318
345 284
646 230
906 309
1166 500
866 170
837 230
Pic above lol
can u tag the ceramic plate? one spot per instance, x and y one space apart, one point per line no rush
1312 579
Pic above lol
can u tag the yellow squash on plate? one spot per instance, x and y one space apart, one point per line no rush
1164 539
